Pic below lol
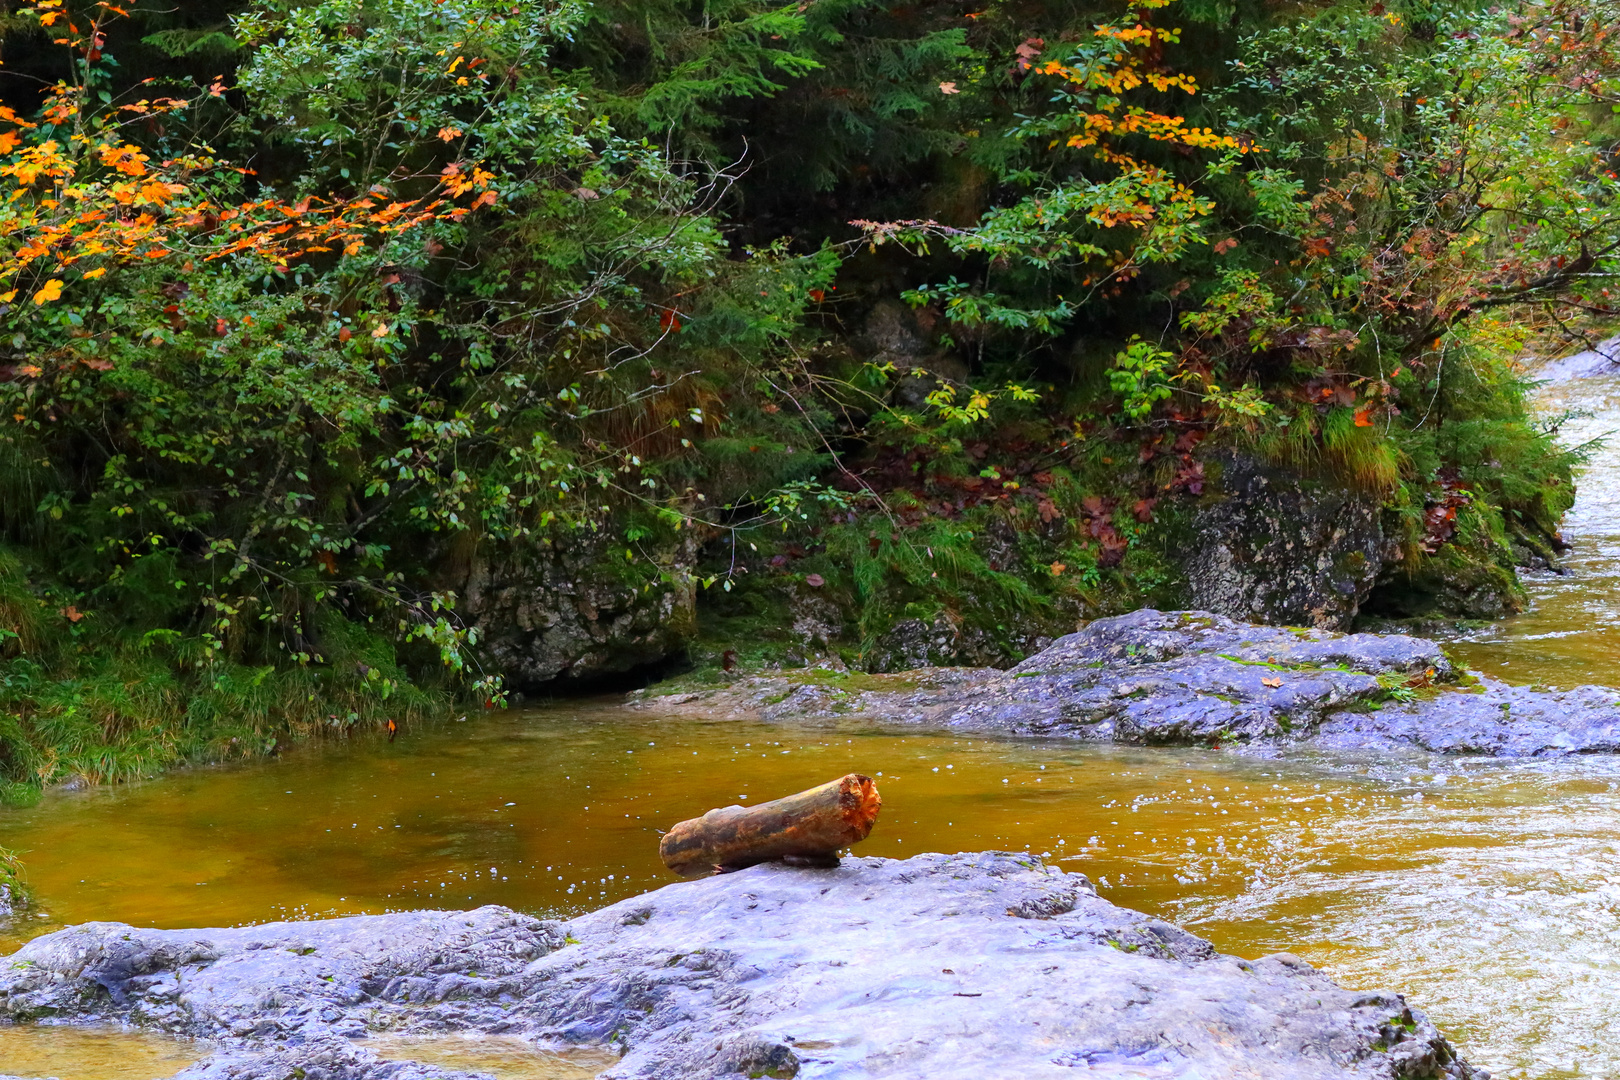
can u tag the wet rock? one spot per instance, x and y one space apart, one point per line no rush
1495 719
1145 677
1193 678
1276 548
939 967
1602 360
551 607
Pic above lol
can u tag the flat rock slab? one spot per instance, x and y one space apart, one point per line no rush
1193 678
944 967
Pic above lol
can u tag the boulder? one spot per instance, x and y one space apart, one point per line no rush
1273 547
559 606
945 967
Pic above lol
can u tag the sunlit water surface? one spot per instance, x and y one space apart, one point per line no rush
1488 892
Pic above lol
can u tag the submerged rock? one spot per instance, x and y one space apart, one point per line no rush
1194 678
939 967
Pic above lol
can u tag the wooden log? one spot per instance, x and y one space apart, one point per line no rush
807 829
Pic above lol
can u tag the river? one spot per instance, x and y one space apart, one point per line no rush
1487 891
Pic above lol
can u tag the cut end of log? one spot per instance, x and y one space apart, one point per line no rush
861 802
807 829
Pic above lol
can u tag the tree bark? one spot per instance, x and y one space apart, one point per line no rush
808 828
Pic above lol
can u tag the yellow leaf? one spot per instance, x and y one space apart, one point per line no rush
8 297
92 274
51 291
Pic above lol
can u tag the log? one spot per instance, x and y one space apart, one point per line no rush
806 829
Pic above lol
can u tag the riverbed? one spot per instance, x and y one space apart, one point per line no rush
1487 891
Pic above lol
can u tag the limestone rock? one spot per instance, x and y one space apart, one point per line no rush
550 608
1194 678
1275 548
945 967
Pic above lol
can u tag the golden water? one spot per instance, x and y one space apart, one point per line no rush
1488 892
92 1053
1571 634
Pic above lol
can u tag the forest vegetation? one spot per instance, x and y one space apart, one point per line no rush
938 310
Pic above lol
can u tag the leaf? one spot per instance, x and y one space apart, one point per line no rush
51 291
381 330
1273 681
448 133
72 614
1364 418
948 88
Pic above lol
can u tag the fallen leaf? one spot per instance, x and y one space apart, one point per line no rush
948 88
1364 418
1271 682
72 613
1057 569
815 581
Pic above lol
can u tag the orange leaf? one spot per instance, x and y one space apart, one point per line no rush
72 613
448 133
1271 682
1364 418
51 291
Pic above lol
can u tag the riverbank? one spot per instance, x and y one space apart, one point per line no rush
936 966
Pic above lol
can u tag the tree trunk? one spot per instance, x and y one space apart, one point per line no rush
807 828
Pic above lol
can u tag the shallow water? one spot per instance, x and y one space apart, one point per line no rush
1571 634
505 1057
93 1053
1488 892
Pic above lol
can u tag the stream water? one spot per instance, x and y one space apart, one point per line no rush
1487 891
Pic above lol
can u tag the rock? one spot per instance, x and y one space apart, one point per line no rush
1602 360
895 334
946 967
546 608
1275 548
1190 677
1497 719
1146 677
